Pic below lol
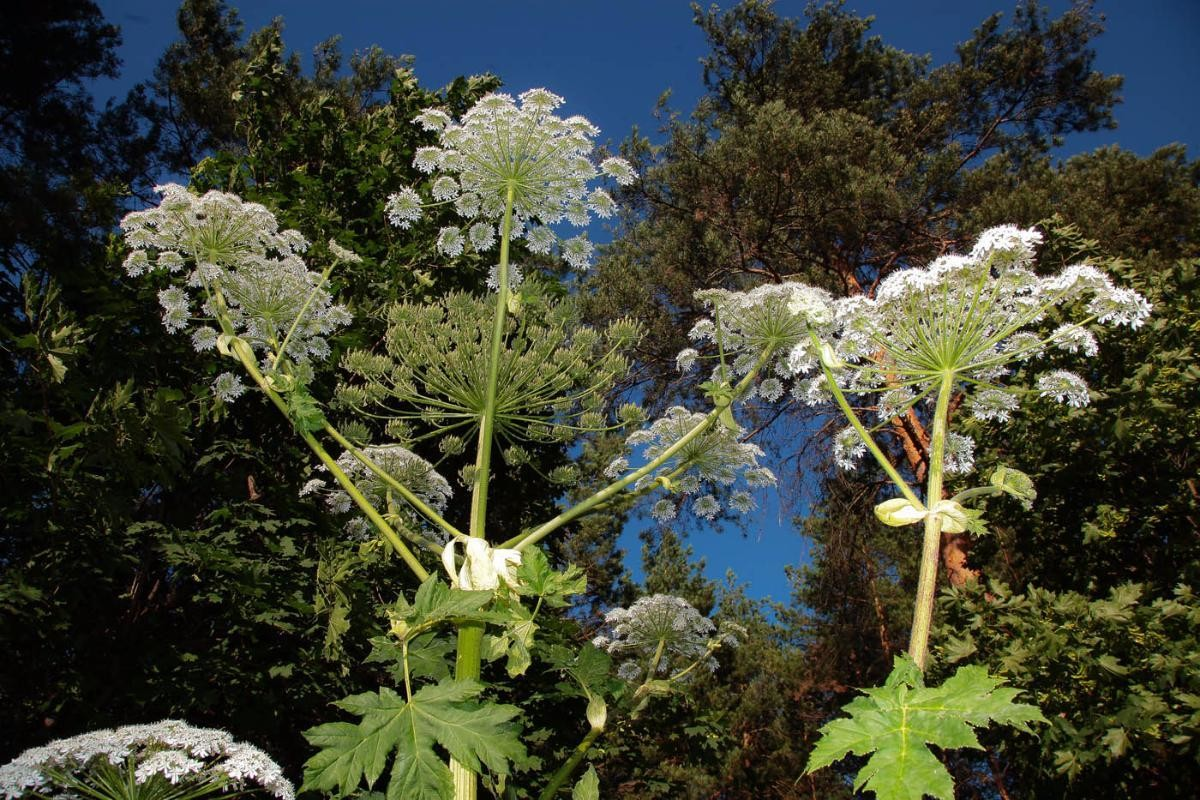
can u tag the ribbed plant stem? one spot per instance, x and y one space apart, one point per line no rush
470 634
918 645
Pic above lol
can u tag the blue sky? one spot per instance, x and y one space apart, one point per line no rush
613 59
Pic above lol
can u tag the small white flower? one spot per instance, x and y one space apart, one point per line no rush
450 241
770 389
515 277
344 255
540 239
959 455
444 188
1075 339
1120 307
433 119
616 468
137 263
742 502
204 338
427 159
686 360
619 170
1063 387
848 447
760 477
312 486
228 387
704 330
629 671
577 251
664 510
171 764
815 305
482 236
993 404
706 507
601 204
1017 243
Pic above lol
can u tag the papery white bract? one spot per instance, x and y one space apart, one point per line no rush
512 150
484 567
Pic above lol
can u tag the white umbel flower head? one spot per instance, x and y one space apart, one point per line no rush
208 761
636 633
715 457
517 151
242 268
408 468
968 317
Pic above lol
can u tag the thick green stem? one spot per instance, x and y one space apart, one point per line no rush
918 645
470 635
487 425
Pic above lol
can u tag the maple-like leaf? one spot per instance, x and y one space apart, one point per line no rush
588 787
895 723
536 579
446 714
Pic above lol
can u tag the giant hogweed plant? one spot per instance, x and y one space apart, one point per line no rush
511 370
494 376
942 340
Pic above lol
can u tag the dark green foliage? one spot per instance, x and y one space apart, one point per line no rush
445 713
1117 675
403 730
156 558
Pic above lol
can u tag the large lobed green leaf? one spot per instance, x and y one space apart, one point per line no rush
896 721
446 714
